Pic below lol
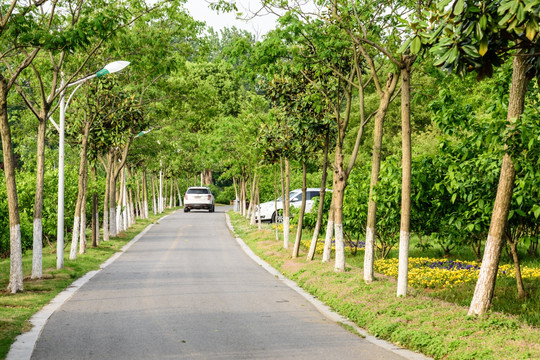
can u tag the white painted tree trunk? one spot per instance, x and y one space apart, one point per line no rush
145 209
119 217
75 237
403 272
313 244
179 194
132 208
244 195
97 230
160 206
37 250
340 249
154 201
286 232
82 238
253 213
369 254
172 198
125 203
106 225
327 251
16 269
112 220
259 222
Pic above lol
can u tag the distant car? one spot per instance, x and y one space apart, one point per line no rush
268 209
199 198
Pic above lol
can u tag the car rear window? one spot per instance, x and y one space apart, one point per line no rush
198 191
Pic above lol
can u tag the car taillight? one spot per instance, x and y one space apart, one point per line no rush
185 196
209 197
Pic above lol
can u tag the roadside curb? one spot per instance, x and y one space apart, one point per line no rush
23 346
323 308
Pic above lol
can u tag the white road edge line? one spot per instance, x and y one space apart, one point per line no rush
23 346
323 308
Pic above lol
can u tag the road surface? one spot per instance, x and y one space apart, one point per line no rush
186 290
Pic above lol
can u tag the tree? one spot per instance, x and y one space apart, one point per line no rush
476 36
21 29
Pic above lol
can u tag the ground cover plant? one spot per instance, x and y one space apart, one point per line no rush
17 309
433 321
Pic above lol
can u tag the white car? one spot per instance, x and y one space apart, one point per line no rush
268 209
199 198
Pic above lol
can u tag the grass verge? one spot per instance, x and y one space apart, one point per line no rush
17 309
418 322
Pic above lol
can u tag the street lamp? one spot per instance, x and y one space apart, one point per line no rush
108 69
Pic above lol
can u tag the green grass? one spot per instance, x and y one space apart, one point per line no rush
17 309
432 322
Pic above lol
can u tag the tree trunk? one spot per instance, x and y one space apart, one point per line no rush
276 195
286 204
253 202
236 196
296 248
145 195
106 197
121 207
405 227
95 210
171 194
485 285
179 194
138 202
131 207
154 202
81 193
112 205
340 181
82 239
519 279
160 200
37 253
259 222
95 220
329 234
375 168
15 246
207 177
313 245
243 196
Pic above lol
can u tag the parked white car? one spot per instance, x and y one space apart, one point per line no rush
199 198
268 209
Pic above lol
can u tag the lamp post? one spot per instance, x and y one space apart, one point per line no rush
108 69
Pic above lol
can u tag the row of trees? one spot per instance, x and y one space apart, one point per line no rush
343 51
316 88
46 46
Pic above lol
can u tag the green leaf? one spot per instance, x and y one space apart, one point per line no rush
404 46
470 51
453 55
416 45
505 19
442 4
458 7
536 211
483 21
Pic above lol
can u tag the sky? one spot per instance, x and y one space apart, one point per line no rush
259 25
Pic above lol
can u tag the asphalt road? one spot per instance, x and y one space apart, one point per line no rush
186 290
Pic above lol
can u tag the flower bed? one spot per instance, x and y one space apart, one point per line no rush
437 273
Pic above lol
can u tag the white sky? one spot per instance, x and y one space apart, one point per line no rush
258 25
